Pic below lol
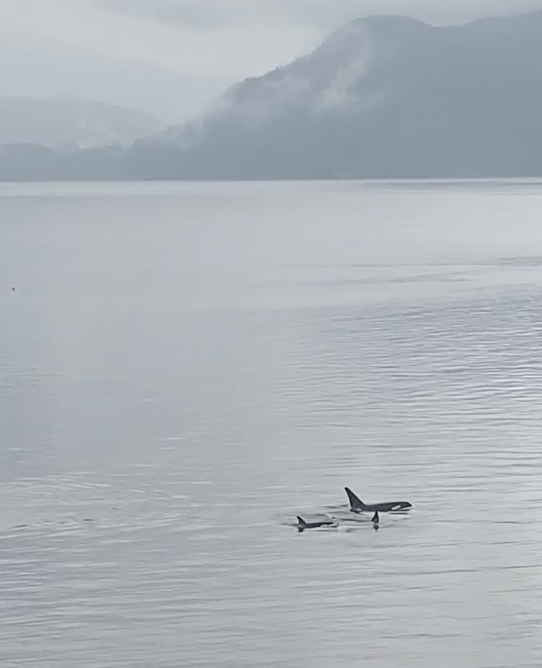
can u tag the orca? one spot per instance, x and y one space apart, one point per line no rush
357 505
376 521
302 525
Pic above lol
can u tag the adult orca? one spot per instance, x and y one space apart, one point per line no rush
357 505
302 525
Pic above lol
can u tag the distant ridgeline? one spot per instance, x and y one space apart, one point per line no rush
70 122
382 97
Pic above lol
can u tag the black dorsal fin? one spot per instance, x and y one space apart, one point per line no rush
355 502
301 521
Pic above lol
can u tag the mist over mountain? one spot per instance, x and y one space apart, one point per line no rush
55 122
382 97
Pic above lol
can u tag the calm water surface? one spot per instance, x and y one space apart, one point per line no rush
185 368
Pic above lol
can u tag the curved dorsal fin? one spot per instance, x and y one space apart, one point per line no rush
355 502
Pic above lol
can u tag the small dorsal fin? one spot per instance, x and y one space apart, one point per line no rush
376 518
301 521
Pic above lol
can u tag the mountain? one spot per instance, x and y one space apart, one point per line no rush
382 97
53 122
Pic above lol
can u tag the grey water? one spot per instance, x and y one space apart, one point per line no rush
186 368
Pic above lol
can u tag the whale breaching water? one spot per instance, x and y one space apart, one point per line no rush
302 525
357 505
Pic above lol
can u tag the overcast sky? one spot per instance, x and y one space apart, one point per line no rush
222 40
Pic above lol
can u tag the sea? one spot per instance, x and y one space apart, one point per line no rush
186 368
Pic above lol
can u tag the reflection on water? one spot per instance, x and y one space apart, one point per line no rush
186 369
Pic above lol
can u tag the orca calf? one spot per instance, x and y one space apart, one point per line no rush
357 505
302 525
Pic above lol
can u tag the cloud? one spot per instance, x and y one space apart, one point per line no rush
315 14
304 86
216 14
